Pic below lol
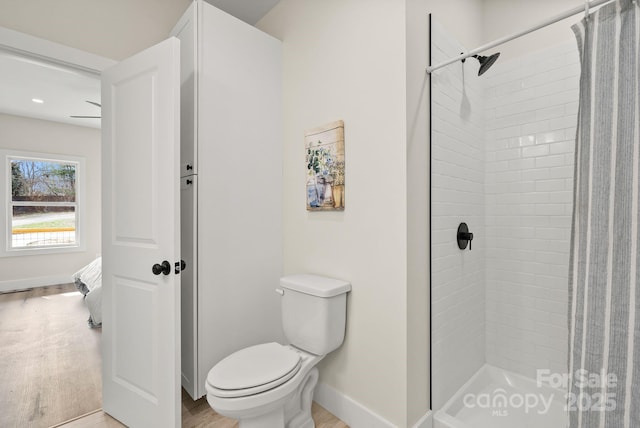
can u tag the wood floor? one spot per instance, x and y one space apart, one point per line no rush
197 414
50 367
49 358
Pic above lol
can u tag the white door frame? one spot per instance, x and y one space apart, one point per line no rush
46 50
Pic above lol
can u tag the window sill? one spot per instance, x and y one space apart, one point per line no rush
42 251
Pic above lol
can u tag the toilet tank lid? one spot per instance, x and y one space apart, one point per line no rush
315 285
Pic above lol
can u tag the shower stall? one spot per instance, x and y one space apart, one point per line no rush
535 237
502 153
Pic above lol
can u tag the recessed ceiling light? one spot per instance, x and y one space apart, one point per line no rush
37 100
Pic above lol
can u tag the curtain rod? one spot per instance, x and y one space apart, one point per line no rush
576 10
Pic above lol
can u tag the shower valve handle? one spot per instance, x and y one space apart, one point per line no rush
464 236
468 237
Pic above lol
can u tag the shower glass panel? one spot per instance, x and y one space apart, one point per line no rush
502 148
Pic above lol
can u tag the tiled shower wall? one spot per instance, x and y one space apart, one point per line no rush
502 153
531 105
458 289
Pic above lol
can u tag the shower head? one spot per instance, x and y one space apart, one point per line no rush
486 62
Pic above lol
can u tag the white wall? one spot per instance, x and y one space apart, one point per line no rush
42 136
345 59
458 155
418 308
462 19
504 17
114 29
531 118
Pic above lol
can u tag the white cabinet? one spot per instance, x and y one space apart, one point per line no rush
231 186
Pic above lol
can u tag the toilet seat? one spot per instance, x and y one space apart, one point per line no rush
253 370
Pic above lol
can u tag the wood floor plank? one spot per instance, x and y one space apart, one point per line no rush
49 358
199 414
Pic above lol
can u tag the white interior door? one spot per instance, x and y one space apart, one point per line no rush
141 228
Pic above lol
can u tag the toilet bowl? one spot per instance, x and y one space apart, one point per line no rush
271 385
236 390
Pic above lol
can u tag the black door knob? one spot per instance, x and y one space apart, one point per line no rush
164 268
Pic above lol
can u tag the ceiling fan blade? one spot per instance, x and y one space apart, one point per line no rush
94 103
86 117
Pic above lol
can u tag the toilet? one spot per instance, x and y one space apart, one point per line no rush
271 385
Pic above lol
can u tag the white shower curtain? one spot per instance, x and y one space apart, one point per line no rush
604 310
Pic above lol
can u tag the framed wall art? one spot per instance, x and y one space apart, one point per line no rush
325 167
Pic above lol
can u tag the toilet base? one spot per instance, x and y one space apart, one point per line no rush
273 419
295 414
298 410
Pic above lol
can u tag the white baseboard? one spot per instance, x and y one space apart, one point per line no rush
426 421
42 281
348 410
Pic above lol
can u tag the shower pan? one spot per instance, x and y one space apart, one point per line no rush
502 155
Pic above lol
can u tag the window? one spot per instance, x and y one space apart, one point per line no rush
43 212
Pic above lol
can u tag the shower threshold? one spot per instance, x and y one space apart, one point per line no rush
496 398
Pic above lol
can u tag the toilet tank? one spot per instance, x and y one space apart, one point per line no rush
314 312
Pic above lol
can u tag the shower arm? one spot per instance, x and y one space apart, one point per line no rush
576 10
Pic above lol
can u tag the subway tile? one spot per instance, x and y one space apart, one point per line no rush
522 186
549 113
512 293
571 108
513 131
536 127
538 197
521 164
509 88
569 159
550 137
512 120
522 141
508 154
563 197
560 221
570 133
568 121
550 209
568 184
550 185
536 174
551 233
535 151
562 147
549 258
550 161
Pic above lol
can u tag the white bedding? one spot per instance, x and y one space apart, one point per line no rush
89 282
90 275
94 303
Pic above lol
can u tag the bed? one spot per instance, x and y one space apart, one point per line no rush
88 280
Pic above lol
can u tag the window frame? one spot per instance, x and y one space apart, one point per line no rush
6 235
